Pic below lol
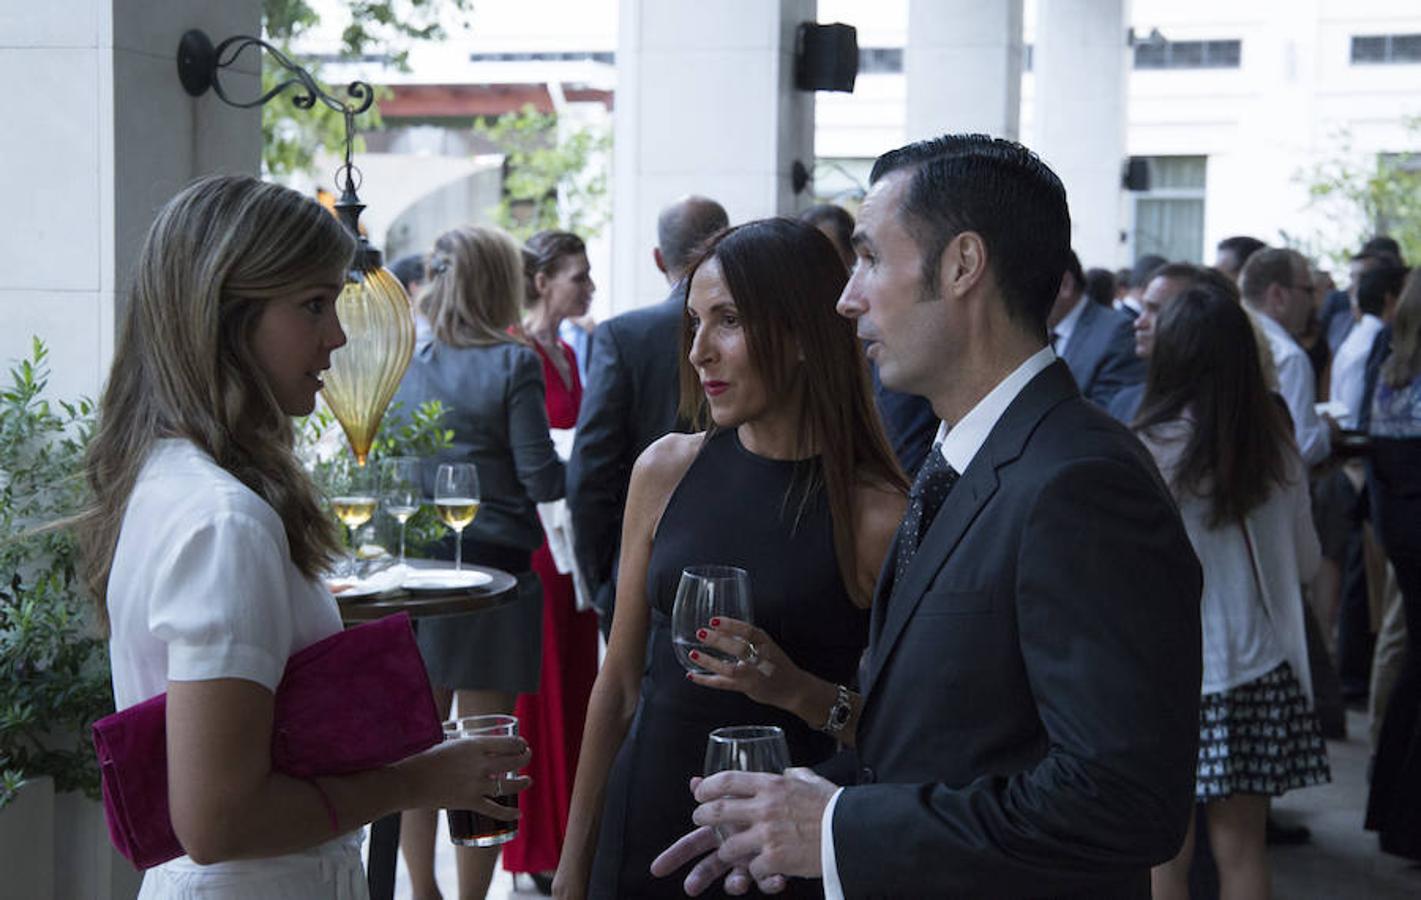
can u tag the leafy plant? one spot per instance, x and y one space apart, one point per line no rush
1366 194
56 665
321 445
550 180
291 137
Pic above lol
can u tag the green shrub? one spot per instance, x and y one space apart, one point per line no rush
56 665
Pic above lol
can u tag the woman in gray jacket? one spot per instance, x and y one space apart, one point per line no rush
477 364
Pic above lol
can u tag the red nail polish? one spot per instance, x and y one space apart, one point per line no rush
695 655
715 623
702 633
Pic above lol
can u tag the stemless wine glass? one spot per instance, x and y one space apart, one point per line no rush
400 490
354 502
704 593
456 498
746 748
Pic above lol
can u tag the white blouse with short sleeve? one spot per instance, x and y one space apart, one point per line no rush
202 584
203 587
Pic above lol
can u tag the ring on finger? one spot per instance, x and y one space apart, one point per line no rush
752 653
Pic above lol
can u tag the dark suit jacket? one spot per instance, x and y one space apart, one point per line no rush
1030 723
628 402
1125 405
1101 352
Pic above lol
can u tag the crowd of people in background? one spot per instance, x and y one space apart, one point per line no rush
1273 404
801 405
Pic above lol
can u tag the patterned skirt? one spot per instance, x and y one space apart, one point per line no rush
1259 738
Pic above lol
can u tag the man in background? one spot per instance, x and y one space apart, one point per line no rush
630 399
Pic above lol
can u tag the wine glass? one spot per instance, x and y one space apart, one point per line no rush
456 499
400 490
704 593
746 748
354 502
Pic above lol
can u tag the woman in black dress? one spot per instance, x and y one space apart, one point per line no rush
794 482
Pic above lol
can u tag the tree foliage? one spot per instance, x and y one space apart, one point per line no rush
1365 194
551 180
291 137
56 667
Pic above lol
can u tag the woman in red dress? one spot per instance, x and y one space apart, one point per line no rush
559 286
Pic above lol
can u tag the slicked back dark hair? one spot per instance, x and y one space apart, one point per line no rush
1376 285
1100 286
1242 246
999 190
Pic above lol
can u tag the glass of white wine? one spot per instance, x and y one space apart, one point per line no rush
456 498
354 502
400 491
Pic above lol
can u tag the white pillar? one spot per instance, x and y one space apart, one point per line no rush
963 67
1080 63
99 135
705 104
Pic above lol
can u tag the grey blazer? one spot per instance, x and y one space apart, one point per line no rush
1101 353
493 400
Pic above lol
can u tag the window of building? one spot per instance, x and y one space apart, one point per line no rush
1386 49
1169 217
607 58
880 60
1160 54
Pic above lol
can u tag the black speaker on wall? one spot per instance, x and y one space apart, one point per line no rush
826 57
1135 175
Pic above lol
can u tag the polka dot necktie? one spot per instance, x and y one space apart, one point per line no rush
935 479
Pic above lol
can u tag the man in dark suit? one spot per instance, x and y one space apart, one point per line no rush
630 399
1096 342
1029 719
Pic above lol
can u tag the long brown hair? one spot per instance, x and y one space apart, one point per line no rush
1205 367
475 287
1404 363
785 277
184 367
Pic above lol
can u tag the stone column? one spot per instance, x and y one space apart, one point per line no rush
1081 67
963 67
705 104
98 135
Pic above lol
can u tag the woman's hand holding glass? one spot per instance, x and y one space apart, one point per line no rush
465 774
759 669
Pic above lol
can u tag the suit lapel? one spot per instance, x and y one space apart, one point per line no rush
894 604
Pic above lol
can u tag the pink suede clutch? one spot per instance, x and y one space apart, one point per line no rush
356 700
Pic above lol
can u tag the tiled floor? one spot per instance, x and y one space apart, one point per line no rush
1340 863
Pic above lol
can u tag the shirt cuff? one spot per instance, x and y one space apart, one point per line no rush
833 890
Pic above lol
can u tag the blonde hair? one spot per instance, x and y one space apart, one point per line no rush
184 365
1404 363
475 287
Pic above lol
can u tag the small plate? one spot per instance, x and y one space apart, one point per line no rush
357 590
433 580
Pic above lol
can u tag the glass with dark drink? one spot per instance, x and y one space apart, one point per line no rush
466 826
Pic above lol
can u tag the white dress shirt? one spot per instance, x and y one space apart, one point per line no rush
1349 367
1296 382
958 445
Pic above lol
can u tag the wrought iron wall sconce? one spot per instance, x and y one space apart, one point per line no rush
373 308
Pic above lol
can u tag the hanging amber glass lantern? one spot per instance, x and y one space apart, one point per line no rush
375 313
